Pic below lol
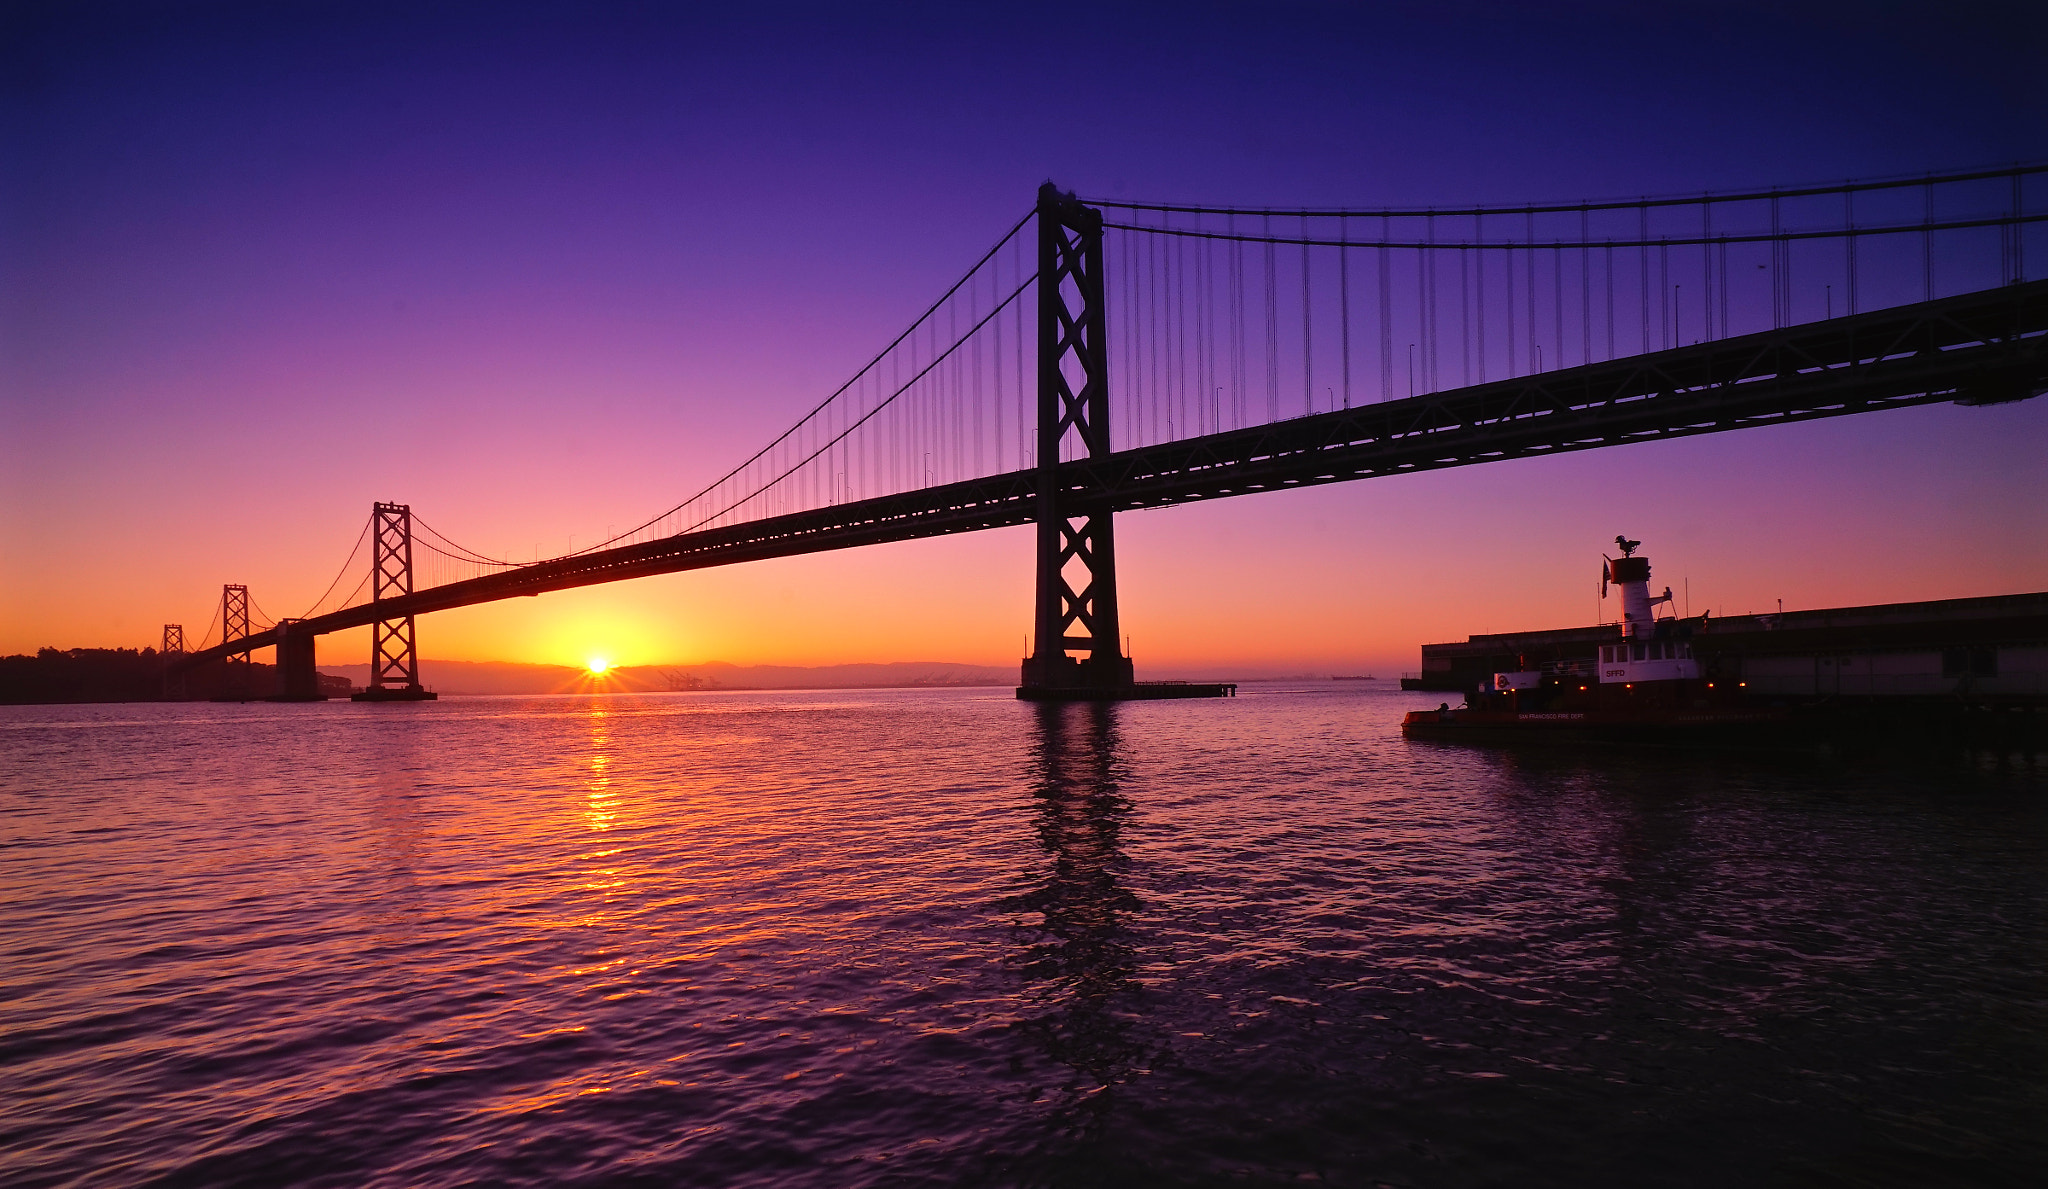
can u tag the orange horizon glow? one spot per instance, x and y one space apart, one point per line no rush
1350 577
1344 578
538 333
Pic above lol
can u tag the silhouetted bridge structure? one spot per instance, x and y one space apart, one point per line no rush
877 460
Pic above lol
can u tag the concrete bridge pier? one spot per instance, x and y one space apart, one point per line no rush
297 679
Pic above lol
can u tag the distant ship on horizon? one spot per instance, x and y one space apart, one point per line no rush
1366 677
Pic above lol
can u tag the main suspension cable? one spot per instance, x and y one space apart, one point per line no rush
785 434
2017 170
1517 245
920 374
360 538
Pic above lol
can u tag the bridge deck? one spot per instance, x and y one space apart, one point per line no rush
1977 348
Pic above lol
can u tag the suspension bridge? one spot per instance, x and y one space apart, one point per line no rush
1253 350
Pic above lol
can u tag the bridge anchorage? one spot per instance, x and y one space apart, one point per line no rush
394 657
1076 546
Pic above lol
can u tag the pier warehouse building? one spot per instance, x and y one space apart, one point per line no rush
1991 649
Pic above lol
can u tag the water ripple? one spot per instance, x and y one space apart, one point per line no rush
942 937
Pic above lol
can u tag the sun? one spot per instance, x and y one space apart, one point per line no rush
599 666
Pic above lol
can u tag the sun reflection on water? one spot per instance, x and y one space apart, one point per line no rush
601 804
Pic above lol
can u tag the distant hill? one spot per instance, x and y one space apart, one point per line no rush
504 677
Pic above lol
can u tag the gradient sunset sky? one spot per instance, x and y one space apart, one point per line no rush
539 270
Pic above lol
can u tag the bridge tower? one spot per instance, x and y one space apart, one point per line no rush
234 625
1076 608
394 661
174 646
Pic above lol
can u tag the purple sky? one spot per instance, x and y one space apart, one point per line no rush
537 273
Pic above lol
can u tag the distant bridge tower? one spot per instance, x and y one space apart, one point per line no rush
1076 596
394 660
234 625
174 645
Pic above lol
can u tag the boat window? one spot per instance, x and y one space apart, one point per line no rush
1635 652
1607 654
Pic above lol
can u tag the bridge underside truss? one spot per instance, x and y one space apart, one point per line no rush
1978 348
1982 348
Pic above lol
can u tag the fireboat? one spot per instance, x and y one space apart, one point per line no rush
1645 688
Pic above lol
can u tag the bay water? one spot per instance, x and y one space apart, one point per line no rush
942 937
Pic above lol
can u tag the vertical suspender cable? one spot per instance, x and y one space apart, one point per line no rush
1026 456
1386 315
1186 327
1721 279
1927 238
1514 367
1169 259
1233 321
1479 307
1529 226
1707 267
1431 326
1127 321
1344 303
1184 356
1557 301
1308 389
1607 258
1166 344
2019 232
1849 217
959 454
974 364
1465 315
1272 325
1664 290
1422 271
2007 234
996 359
1585 290
1152 319
1643 283
1785 278
1198 396
1205 340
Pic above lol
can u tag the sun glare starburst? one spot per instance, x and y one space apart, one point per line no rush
599 666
